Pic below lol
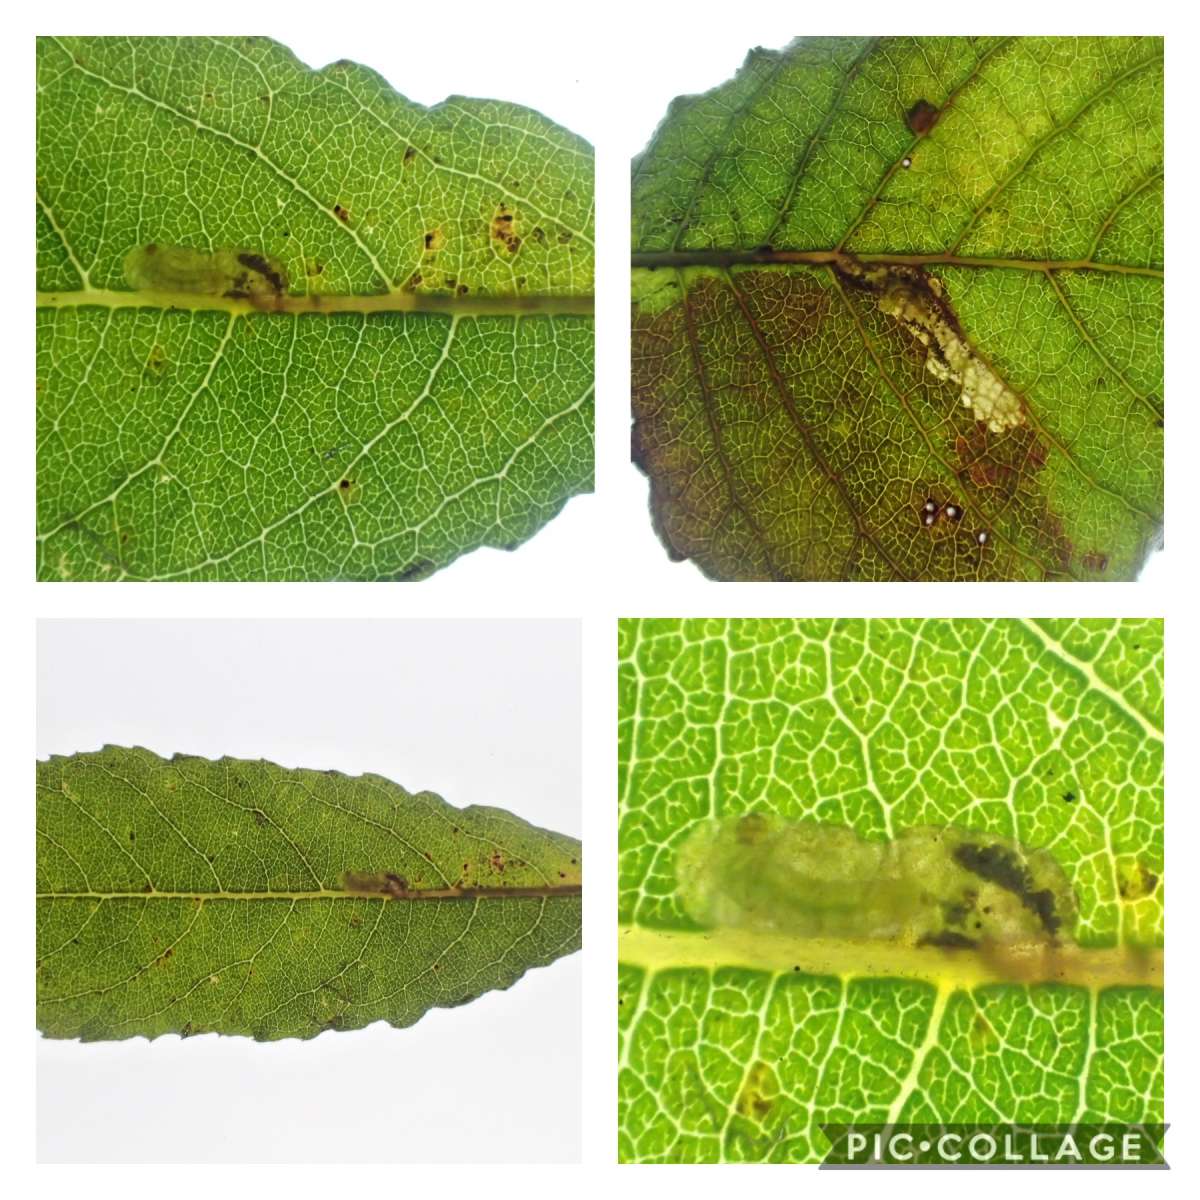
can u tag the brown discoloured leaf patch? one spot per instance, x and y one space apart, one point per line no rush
504 229
1135 881
922 117
792 430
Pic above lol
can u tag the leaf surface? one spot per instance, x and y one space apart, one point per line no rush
898 312
411 378
189 896
1048 733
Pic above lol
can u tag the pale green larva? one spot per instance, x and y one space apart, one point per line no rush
928 886
238 274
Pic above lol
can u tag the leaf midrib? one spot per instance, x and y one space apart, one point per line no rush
322 303
656 949
762 256
480 893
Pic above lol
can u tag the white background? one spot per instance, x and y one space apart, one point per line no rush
598 559
481 712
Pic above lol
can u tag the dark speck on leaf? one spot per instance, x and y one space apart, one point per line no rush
948 939
418 569
922 117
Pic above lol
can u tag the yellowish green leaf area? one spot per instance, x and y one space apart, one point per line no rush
898 312
190 896
292 326
886 871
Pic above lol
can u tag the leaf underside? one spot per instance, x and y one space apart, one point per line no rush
190 896
1044 732
791 427
199 437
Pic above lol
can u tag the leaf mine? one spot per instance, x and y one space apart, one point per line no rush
236 274
916 300
926 887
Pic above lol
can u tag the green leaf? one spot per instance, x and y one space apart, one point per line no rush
898 312
189 896
736 1045
370 347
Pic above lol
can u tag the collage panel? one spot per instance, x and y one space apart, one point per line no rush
887 874
898 312
339 336
321 861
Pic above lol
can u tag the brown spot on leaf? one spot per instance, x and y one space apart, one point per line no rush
342 214
504 229
922 117
1136 881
